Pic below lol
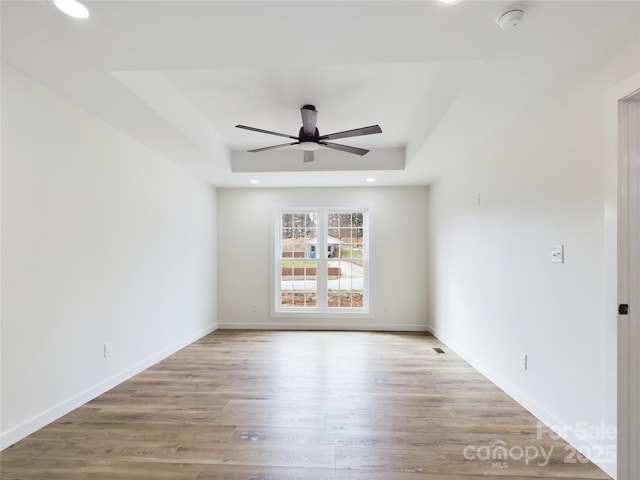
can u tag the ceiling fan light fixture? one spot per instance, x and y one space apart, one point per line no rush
73 8
309 146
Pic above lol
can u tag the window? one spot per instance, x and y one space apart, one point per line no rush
321 261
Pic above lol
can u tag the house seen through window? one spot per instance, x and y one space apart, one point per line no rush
335 280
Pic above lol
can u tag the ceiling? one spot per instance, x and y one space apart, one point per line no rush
179 75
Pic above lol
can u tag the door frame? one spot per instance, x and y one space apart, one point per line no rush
621 188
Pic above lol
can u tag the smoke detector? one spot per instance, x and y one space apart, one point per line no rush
510 18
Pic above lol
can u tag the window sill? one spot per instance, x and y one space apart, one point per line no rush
322 314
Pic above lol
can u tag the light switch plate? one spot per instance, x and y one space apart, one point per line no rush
557 254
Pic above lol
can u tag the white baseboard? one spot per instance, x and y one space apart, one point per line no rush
545 416
16 434
340 326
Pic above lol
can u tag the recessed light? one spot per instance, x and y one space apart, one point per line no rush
449 2
370 180
73 8
254 181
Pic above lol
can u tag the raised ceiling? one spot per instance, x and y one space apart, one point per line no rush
178 75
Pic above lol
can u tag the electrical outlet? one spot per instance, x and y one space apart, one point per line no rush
254 308
107 350
557 254
524 361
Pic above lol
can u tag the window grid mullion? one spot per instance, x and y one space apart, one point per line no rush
321 261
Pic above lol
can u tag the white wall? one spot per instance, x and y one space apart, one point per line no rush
398 255
495 293
103 241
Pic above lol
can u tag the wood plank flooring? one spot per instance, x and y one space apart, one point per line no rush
245 405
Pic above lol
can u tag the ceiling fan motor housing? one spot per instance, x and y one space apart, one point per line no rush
304 137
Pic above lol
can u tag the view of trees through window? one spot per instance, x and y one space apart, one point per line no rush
347 230
326 272
298 261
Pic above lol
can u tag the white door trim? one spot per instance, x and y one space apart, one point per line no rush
629 325
617 182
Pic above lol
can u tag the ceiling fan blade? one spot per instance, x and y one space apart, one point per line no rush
272 147
345 148
309 118
356 132
266 131
309 156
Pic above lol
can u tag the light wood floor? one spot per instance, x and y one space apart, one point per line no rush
241 405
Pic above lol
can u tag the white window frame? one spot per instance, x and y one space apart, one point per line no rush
321 310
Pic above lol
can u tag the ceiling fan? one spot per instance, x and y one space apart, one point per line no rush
310 139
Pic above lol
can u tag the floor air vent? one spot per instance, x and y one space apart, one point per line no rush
438 350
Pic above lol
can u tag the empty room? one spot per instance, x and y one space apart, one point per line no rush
327 240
